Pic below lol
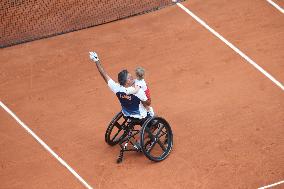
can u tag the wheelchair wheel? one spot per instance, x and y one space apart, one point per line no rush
156 139
115 132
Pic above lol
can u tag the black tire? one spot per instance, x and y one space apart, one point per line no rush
156 139
115 133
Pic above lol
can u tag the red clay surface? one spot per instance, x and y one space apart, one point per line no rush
279 3
227 118
25 164
255 27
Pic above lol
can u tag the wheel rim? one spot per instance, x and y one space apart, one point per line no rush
115 132
156 139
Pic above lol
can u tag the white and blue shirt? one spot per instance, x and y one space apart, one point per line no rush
131 104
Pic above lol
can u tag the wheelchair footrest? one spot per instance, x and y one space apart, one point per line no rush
136 148
120 157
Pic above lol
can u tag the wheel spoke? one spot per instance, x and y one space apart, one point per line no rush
150 134
156 123
117 125
147 143
159 131
151 146
116 134
161 145
163 133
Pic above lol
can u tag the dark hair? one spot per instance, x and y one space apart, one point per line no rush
122 77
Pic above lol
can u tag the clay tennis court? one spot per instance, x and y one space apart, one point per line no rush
227 117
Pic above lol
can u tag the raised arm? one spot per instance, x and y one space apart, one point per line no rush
102 72
94 57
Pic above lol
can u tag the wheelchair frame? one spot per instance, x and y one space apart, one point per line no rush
152 131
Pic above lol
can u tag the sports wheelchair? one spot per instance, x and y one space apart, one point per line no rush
155 139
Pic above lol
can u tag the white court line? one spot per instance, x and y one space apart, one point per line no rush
276 6
271 185
232 46
45 146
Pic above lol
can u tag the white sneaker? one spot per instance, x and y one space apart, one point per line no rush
137 146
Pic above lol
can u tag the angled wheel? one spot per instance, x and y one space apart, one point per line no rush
156 139
115 132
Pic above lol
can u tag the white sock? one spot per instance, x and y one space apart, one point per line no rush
151 111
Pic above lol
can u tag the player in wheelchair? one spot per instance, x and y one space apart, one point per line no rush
132 128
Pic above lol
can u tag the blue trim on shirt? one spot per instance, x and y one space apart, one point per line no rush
129 103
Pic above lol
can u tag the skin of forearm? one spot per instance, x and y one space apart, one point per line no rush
147 102
101 70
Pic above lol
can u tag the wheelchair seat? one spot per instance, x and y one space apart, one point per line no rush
135 121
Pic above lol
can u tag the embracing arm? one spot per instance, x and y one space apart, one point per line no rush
147 102
142 96
132 90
